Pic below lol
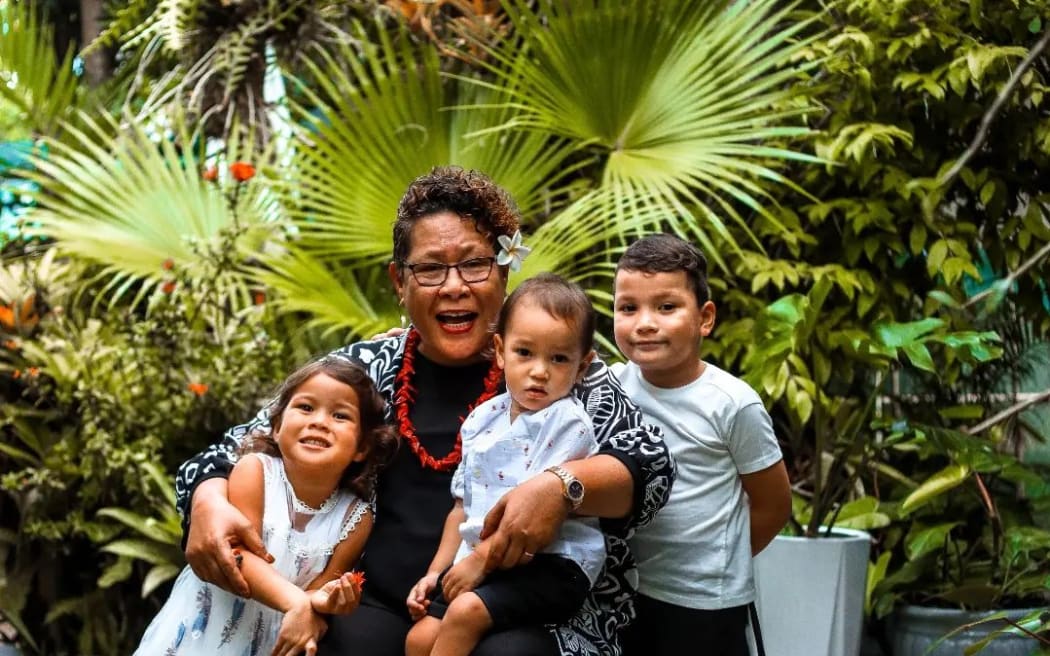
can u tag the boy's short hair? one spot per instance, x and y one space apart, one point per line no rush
665 254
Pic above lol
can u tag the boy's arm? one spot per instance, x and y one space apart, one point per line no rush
446 553
450 539
769 494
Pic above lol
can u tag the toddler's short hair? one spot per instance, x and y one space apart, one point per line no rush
665 254
560 298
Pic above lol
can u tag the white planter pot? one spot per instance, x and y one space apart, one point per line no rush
811 594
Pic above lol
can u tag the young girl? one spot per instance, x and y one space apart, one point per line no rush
302 486
543 343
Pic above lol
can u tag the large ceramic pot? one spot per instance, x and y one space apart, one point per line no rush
914 629
811 593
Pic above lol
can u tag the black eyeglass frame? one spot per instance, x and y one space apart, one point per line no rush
456 266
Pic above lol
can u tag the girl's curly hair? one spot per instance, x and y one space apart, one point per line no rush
379 441
469 194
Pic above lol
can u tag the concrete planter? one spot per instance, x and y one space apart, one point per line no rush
811 594
914 629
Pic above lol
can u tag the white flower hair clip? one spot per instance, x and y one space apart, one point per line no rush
513 251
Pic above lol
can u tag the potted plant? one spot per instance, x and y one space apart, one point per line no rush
825 379
962 565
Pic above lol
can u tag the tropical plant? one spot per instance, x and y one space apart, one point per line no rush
99 404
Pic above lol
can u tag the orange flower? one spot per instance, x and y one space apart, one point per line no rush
16 373
11 345
168 286
200 389
33 372
211 174
242 171
358 579
168 264
258 297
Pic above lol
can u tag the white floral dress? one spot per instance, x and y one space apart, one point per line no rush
200 618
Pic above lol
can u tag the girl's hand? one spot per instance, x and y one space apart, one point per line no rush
301 628
464 576
417 597
339 596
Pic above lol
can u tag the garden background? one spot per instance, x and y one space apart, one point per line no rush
197 195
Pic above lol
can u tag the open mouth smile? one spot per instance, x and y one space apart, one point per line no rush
456 322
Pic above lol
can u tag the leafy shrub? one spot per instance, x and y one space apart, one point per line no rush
100 404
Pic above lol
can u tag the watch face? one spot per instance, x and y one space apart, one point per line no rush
575 491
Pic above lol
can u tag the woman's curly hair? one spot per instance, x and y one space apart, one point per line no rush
377 440
469 194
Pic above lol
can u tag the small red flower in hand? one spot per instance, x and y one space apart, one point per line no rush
242 171
358 579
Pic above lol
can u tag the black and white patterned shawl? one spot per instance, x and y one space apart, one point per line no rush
620 431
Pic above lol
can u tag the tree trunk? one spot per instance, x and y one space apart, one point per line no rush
97 64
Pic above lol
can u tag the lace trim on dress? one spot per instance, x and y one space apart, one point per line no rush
353 518
304 508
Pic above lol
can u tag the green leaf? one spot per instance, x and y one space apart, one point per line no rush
919 356
946 479
926 540
140 549
1035 25
899 335
115 573
156 576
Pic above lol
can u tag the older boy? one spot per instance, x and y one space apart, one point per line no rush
694 559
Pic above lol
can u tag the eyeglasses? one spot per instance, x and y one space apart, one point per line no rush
434 274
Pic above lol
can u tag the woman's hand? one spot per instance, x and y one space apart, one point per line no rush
524 521
301 628
418 600
337 597
464 576
216 527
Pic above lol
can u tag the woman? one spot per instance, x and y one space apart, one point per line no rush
444 271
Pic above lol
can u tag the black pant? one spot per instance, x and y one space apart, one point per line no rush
374 630
662 629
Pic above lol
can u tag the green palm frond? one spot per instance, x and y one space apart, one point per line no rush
382 119
333 302
676 97
32 77
129 202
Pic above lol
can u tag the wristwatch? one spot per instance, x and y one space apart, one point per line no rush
571 487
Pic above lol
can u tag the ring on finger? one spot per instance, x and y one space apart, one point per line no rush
528 554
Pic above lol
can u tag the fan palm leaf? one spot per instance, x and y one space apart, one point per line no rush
675 98
139 208
32 77
332 298
382 120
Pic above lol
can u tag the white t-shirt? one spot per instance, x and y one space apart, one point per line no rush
697 552
498 455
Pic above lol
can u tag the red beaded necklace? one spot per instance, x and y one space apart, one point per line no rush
405 395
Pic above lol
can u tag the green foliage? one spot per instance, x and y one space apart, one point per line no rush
102 405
